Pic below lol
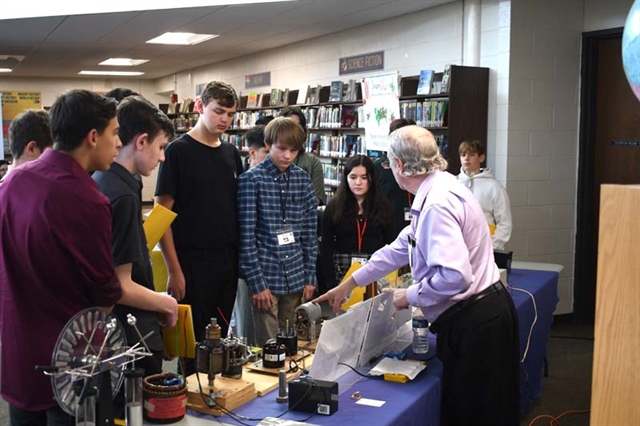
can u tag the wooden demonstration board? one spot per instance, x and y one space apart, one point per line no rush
235 392
256 381
265 383
300 358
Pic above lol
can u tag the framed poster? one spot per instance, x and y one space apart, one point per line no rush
13 103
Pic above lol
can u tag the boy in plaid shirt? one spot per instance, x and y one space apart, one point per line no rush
278 219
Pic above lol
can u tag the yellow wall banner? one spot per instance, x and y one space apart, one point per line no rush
13 103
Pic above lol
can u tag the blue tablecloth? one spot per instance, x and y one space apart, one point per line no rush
543 285
418 402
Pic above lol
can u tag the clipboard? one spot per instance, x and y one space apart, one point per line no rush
183 331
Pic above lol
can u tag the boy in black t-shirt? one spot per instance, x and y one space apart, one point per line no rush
199 181
144 132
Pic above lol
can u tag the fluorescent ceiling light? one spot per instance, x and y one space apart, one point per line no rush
120 73
123 62
5 69
39 8
181 38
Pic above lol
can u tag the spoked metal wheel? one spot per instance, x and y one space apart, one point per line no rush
89 338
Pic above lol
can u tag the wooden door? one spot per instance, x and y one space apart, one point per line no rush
617 130
609 153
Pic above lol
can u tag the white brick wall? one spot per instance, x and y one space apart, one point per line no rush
543 116
542 136
421 40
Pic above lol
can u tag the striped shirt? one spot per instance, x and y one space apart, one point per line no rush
267 201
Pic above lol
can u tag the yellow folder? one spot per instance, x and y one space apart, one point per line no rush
357 295
160 273
185 345
157 224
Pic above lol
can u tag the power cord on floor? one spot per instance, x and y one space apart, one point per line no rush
555 420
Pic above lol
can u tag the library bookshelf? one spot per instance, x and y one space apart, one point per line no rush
334 133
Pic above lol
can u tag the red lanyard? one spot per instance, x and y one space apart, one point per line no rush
409 198
361 234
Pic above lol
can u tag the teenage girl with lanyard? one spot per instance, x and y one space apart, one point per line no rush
356 221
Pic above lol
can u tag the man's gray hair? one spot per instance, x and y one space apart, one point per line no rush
418 150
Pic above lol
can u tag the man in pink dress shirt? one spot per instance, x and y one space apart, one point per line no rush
456 283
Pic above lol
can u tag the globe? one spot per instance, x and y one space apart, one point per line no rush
631 48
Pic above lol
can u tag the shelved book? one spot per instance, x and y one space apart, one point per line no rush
313 95
187 105
446 79
252 100
274 100
430 113
302 95
351 92
425 82
247 119
349 116
335 93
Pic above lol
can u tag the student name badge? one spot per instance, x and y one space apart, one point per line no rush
360 258
407 214
285 237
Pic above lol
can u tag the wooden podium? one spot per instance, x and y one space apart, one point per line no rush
615 396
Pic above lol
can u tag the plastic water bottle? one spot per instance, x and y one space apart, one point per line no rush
420 333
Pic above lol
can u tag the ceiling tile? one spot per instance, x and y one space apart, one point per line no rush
63 45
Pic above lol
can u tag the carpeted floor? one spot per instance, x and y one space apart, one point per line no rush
568 386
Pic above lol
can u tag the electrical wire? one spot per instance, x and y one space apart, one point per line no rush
303 397
223 317
295 368
211 403
356 371
555 420
535 319
238 417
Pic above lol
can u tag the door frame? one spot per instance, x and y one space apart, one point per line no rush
585 272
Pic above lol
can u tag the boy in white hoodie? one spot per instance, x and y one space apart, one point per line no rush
488 191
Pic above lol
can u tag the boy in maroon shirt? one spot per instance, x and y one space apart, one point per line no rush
55 250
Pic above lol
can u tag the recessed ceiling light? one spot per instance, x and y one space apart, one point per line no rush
181 38
120 73
123 62
5 69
